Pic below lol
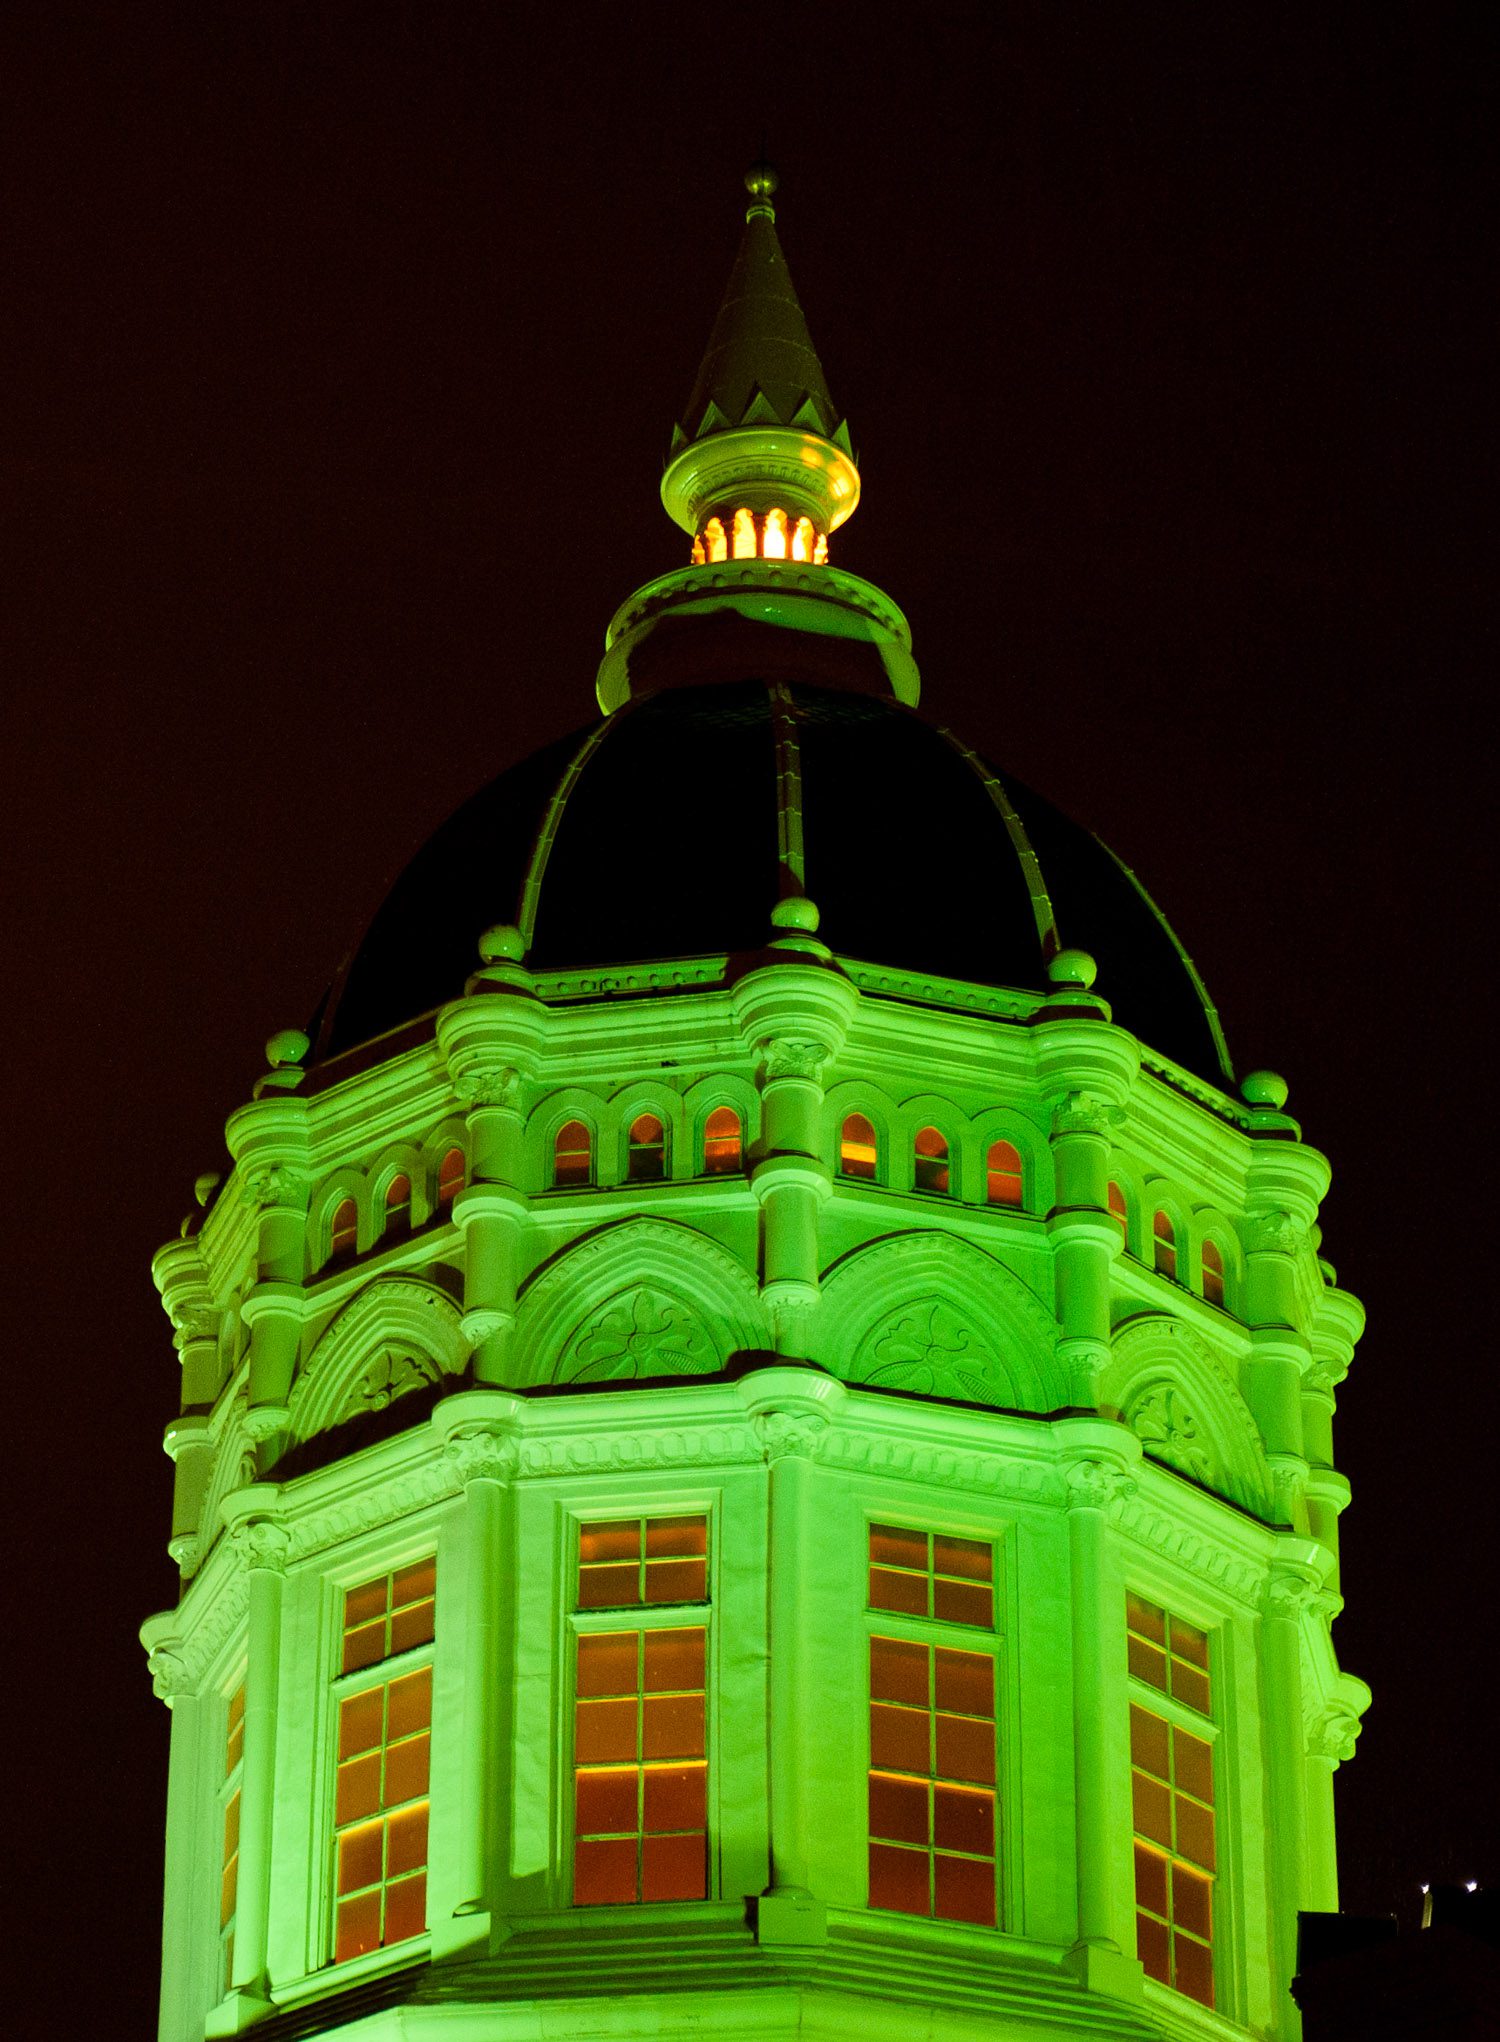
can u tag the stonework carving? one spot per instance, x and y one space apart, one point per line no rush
643 1334
171 1675
388 1376
928 1348
715 1446
791 1057
1173 1540
1082 1113
1168 1430
787 1435
1288 1593
1097 1484
261 1544
1274 1233
945 1467
482 1455
488 1085
274 1185
1332 1735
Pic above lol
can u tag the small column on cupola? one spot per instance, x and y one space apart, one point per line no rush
269 1142
760 464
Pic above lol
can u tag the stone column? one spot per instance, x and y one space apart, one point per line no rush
1284 1184
188 1879
791 1181
1292 1585
182 1278
1330 1743
260 1543
492 1211
478 1428
790 1412
1098 1469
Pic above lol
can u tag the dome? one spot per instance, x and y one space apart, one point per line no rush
671 830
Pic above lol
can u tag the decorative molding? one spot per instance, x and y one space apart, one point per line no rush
615 1453
1274 1233
483 1321
1084 1113
398 1333
1094 1483
640 1333
481 1454
786 1056
1168 1430
390 1375
789 1435
380 1503
928 1348
487 1085
1171 1539
276 1187
261 1545
944 1467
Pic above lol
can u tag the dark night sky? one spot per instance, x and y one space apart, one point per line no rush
343 344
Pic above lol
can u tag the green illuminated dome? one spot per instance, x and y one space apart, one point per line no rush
921 857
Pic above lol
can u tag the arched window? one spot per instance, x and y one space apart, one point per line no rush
744 535
1164 1245
646 1157
857 1150
573 1154
713 540
774 543
802 539
1213 1273
450 1177
698 554
723 1144
1003 1180
398 1203
343 1235
820 551
1118 1213
930 1160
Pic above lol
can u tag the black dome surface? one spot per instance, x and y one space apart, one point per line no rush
671 830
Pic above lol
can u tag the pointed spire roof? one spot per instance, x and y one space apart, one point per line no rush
760 367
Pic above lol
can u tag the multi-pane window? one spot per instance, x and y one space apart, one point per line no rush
932 1777
1213 1272
234 1756
1003 1181
646 1150
640 1753
1172 1798
858 1152
384 1745
723 1142
1164 1245
930 1160
928 1574
573 1154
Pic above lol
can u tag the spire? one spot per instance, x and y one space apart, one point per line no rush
760 438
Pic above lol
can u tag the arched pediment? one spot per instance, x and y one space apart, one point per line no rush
398 1334
1186 1410
937 1316
640 1299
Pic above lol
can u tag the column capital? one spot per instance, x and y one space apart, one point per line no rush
482 1453
166 1658
257 1534
1086 1113
1292 1585
1098 1462
791 1410
1332 1734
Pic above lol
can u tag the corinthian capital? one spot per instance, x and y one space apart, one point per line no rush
276 1186
1288 1592
486 1084
1274 1233
1097 1484
261 1545
480 1453
1332 1734
1084 1113
785 1435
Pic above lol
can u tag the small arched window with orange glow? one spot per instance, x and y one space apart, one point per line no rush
450 1176
398 1203
1213 1273
573 1154
1003 1180
646 1150
820 550
773 545
744 535
857 1147
802 539
1163 1245
930 1160
698 554
1117 1212
723 1142
713 540
343 1234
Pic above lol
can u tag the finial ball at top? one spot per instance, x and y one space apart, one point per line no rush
761 181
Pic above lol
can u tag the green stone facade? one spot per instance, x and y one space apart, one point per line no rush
1106 1378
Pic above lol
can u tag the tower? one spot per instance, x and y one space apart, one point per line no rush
755 1438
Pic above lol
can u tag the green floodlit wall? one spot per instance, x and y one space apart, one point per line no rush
795 1354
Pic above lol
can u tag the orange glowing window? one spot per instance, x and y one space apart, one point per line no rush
646 1150
380 1813
1117 1212
698 554
450 1177
857 1147
820 552
573 1154
635 1562
343 1235
723 1142
713 540
744 535
234 1753
1172 1799
398 1202
930 1574
773 544
1164 1245
1003 1179
930 1160
394 1613
802 539
932 1780
640 1770
1213 1273
1168 1654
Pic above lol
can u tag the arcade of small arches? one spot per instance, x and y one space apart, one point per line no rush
772 536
